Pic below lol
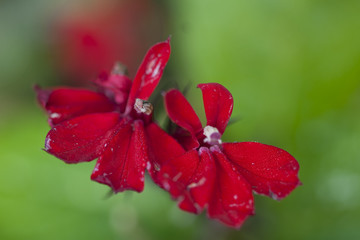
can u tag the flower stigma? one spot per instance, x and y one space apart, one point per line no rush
212 136
142 106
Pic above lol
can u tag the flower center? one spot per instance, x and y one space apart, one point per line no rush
212 136
142 106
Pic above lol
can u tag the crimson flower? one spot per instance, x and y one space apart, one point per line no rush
88 40
217 176
113 125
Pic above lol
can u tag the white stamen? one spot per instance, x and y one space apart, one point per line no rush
142 106
213 136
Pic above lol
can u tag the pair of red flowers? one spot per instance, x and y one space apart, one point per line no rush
115 125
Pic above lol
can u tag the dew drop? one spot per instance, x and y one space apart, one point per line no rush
156 70
166 186
148 166
55 115
150 66
177 176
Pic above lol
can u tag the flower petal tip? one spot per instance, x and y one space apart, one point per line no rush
36 87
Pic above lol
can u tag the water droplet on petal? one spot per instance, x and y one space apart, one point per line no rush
166 186
148 166
55 115
177 176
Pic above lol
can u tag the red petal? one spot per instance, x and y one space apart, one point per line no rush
270 170
175 175
190 179
187 140
81 139
115 86
232 200
149 72
42 95
181 112
218 103
65 103
162 148
122 165
186 204
202 182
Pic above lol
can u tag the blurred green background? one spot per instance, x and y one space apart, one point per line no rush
293 68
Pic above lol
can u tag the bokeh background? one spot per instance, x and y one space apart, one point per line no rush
293 68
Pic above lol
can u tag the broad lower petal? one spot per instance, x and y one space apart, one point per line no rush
149 72
162 148
65 103
122 165
83 138
186 204
232 200
190 179
218 103
203 180
181 112
270 170
176 174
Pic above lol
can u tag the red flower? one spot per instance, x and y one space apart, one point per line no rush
221 176
114 125
88 39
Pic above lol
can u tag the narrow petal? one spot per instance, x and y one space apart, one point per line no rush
218 103
149 72
65 103
122 165
202 182
81 139
162 148
270 170
181 112
232 200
